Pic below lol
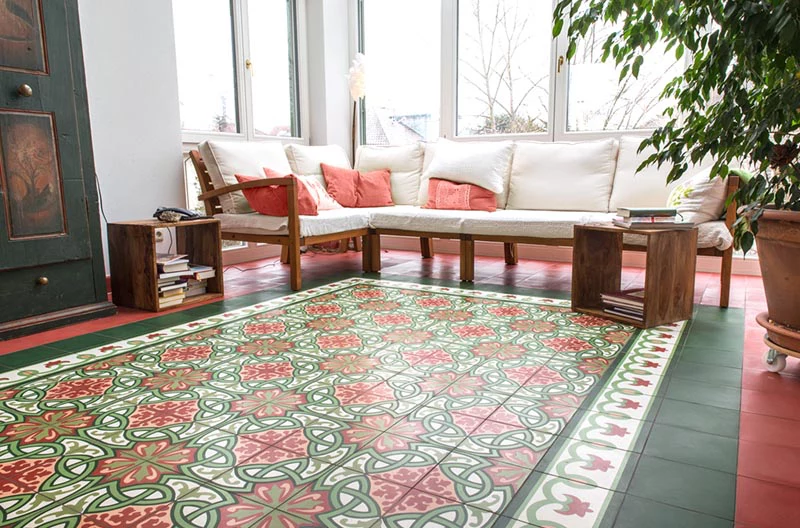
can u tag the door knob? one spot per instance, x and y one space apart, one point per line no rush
25 90
42 281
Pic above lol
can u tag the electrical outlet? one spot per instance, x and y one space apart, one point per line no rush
159 236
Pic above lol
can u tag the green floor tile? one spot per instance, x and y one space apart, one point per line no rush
710 356
31 356
126 331
642 513
693 488
82 342
703 418
714 314
692 447
711 374
709 336
703 393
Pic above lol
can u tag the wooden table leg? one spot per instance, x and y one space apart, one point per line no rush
467 260
510 250
426 247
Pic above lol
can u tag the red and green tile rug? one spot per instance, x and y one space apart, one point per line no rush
358 404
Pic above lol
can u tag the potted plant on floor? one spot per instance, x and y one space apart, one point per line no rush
737 100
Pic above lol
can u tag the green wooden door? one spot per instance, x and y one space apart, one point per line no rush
48 224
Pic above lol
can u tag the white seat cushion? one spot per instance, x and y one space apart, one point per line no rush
405 164
409 218
537 224
327 222
562 176
225 159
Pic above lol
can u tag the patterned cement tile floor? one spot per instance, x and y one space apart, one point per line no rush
363 403
767 484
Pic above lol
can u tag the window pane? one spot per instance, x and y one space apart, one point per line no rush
504 50
272 51
206 85
597 100
403 73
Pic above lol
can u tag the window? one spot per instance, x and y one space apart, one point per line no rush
207 84
597 100
503 66
496 70
402 42
238 67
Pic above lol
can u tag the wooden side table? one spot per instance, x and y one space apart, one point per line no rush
669 273
132 255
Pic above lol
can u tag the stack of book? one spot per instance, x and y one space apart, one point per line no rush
650 218
173 272
625 303
198 281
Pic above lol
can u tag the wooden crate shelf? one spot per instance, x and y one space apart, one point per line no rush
132 255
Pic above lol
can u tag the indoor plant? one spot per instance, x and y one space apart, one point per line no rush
738 100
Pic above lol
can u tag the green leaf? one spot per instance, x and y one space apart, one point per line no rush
558 25
573 46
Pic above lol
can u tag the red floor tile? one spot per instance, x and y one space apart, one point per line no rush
772 463
759 402
766 505
769 430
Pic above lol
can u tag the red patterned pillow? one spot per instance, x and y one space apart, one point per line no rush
443 194
273 200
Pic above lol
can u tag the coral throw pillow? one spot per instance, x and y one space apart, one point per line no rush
443 194
374 189
352 188
314 187
273 200
341 184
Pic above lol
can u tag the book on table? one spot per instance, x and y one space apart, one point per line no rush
202 272
165 302
652 222
170 262
196 287
634 212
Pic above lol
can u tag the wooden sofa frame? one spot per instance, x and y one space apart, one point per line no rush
371 256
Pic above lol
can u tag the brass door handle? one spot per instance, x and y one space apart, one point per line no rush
42 281
560 63
25 90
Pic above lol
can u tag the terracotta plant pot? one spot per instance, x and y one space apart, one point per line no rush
778 243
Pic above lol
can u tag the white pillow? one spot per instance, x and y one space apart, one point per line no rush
562 176
225 159
648 188
700 199
405 164
481 163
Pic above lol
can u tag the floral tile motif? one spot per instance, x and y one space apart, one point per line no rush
361 403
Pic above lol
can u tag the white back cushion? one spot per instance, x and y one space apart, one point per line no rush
486 164
225 159
405 164
562 176
648 188
305 159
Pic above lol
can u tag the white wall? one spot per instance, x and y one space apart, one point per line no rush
131 77
328 29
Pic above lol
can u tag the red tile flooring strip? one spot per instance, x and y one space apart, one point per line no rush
770 412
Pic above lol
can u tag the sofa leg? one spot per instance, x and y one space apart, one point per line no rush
510 250
295 277
357 244
366 254
467 260
372 252
725 278
426 247
284 254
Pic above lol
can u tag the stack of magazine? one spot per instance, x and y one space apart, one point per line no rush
650 218
625 303
179 279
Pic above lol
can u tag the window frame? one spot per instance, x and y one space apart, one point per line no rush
558 89
243 80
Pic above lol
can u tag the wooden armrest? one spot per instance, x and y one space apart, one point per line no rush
730 212
266 182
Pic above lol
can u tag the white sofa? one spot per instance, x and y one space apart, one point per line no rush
548 189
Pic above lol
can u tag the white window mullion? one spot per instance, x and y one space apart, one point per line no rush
559 86
449 65
243 80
